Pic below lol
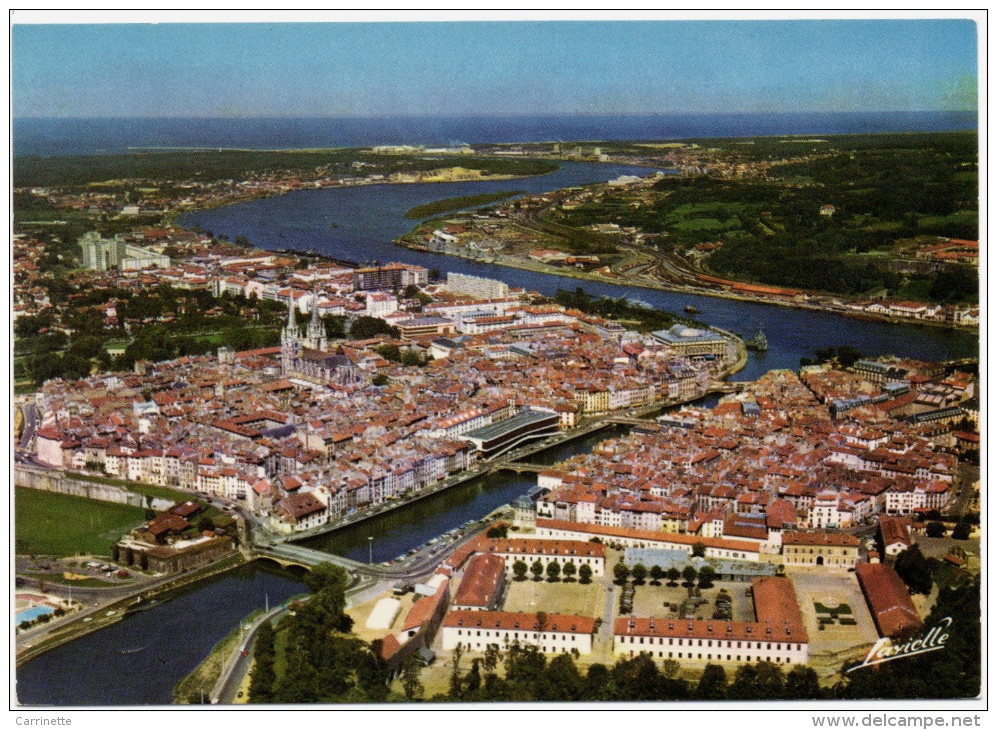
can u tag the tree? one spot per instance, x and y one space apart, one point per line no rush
712 684
411 685
585 574
379 380
561 682
364 328
656 575
390 352
537 569
639 574
473 679
914 568
621 572
698 550
261 680
411 358
673 575
205 524
706 576
802 684
455 683
760 681
689 574
935 529
492 656
410 291
498 530
553 571
962 530
519 569
569 571
597 683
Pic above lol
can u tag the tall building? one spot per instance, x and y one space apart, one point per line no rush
101 254
390 277
477 286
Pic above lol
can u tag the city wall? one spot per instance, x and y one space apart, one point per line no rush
56 482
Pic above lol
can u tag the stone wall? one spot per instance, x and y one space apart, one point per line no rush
54 481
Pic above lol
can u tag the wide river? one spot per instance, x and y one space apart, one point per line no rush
360 223
139 660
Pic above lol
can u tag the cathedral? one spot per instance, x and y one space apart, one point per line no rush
308 357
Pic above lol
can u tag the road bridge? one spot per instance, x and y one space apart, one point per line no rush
290 554
520 467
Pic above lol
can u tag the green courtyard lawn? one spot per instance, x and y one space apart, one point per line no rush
48 523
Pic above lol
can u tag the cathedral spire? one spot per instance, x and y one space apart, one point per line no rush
315 335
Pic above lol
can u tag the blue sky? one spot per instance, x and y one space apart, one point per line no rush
498 68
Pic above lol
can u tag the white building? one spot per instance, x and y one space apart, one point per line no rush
477 286
475 630
778 636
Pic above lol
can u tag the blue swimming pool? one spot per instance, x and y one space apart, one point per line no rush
30 614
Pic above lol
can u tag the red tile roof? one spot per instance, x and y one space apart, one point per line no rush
556 622
424 608
779 619
481 581
894 530
837 539
889 600
670 537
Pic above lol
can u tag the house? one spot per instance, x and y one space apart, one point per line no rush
888 599
778 635
559 634
482 585
831 549
894 535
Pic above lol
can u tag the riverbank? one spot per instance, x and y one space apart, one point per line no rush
103 615
657 284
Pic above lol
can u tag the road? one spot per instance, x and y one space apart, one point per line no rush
235 669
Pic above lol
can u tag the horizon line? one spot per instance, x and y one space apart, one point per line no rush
513 116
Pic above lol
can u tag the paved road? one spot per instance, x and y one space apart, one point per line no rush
237 666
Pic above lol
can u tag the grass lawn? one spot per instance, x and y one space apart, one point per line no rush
47 523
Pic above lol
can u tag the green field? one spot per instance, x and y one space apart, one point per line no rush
47 523
466 201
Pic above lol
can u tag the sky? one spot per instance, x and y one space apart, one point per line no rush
491 68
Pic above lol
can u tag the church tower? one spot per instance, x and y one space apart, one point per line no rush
290 347
315 335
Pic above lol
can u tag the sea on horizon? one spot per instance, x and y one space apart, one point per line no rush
50 137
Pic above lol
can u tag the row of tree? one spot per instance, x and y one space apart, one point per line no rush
704 576
320 661
554 570
529 676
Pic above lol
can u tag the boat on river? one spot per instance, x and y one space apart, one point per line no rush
691 309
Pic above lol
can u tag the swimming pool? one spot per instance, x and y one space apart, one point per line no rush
30 614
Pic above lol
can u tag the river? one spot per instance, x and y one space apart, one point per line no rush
397 532
140 659
360 223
